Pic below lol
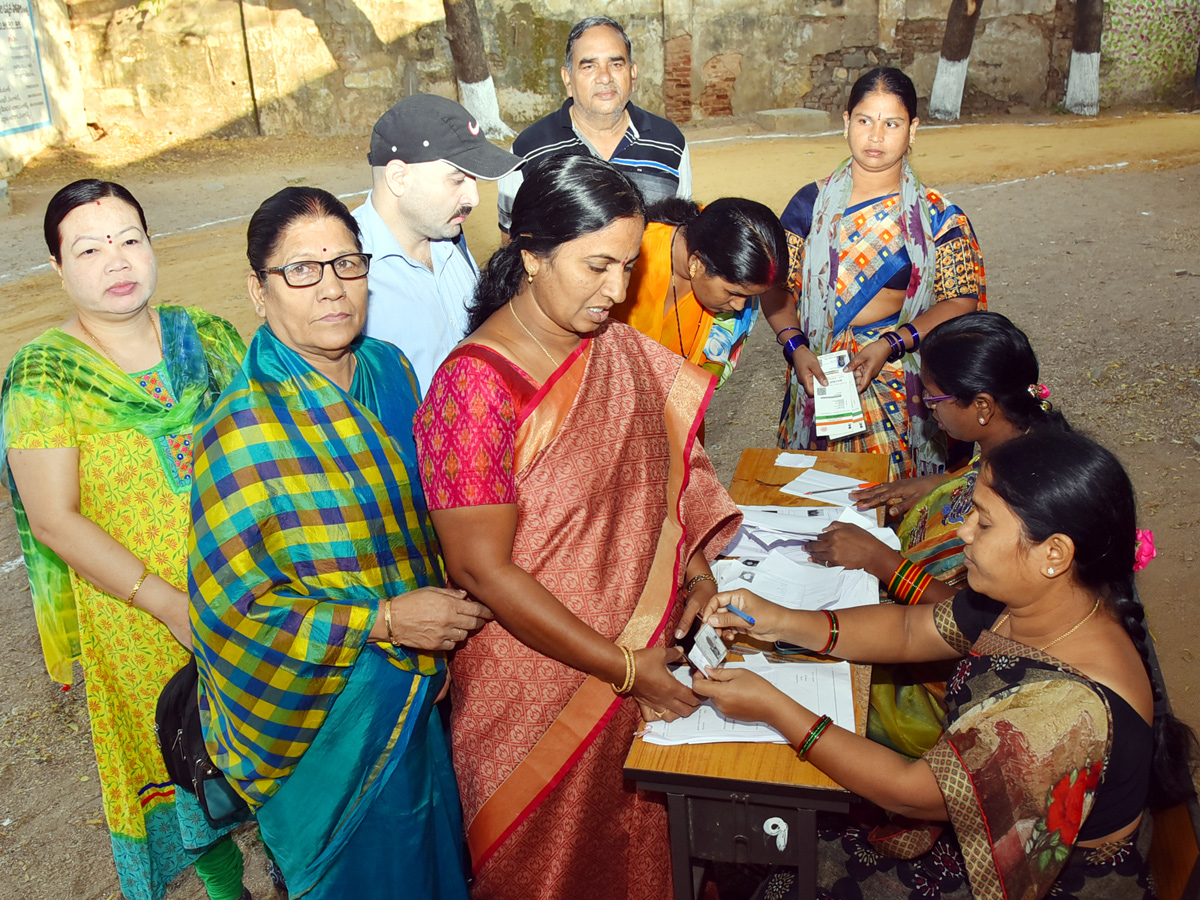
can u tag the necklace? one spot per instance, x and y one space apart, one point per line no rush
104 350
675 302
1070 631
513 308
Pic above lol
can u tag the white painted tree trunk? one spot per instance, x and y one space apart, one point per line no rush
1083 84
481 102
945 98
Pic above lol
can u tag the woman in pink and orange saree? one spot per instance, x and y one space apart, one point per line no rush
558 453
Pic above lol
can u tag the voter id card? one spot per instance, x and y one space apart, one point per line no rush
708 650
837 409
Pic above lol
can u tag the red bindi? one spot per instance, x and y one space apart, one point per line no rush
109 236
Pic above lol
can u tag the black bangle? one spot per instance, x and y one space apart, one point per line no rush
915 335
896 345
781 331
793 343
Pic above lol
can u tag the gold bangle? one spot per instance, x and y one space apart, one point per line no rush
630 673
387 620
137 586
692 582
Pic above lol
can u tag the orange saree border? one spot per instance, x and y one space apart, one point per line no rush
593 704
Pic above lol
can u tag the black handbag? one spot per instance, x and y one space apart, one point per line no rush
181 740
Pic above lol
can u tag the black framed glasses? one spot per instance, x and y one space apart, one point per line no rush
307 272
932 400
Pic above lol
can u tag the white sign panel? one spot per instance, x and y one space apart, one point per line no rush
23 101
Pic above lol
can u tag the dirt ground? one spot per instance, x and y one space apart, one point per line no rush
1091 241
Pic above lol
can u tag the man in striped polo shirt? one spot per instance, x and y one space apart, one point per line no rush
597 118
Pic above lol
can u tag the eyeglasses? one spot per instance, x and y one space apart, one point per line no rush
308 272
932 400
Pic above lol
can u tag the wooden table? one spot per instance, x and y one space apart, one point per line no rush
725 802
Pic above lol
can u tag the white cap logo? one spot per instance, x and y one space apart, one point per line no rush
473 127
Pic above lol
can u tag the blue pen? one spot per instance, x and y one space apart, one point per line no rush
741 615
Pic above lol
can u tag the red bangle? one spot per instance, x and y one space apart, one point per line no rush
814 735
833 632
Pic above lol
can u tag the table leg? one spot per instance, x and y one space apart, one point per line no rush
806 875
682 872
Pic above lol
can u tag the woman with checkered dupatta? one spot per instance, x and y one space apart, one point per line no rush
878 259
321 627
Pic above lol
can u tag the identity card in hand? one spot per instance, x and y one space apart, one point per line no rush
837 410
708 650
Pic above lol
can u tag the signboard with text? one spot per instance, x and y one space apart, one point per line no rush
23 101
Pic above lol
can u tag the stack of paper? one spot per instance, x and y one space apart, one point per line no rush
786 529
825 688
798 585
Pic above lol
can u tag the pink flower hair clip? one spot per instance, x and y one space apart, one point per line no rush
1039 392
1145 550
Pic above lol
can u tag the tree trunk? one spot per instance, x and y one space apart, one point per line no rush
1083 82
475 86
945 100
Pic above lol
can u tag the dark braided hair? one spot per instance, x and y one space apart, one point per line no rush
562 198
985 353
1064 483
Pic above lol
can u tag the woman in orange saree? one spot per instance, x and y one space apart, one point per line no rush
559 457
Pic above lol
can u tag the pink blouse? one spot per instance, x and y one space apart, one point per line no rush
466 429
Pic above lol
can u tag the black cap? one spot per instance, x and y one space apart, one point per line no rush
425 127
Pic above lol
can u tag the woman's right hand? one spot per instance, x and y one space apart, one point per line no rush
655 688
804 363
898 496
434 618
767 616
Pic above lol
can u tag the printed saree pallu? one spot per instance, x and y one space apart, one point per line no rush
614 496
906 712
308 512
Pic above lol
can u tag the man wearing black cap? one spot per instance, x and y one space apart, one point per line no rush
426 154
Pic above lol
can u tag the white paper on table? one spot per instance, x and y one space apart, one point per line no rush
825 688
800 585
807 520
789 460
816 480
852 517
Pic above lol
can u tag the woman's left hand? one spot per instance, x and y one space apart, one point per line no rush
867 363
741 694
843 544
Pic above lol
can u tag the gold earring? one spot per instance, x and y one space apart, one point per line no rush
692 270
529 277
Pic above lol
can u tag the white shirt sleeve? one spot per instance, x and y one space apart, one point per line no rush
506 192
684 191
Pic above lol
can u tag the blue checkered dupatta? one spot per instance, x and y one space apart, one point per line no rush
308 509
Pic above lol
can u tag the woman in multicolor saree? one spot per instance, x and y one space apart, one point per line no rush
320 626
1052 750
981 383
97 433
696 285
878 259
559 458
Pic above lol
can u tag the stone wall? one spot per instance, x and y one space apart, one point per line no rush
62 90
1148 50
332 66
